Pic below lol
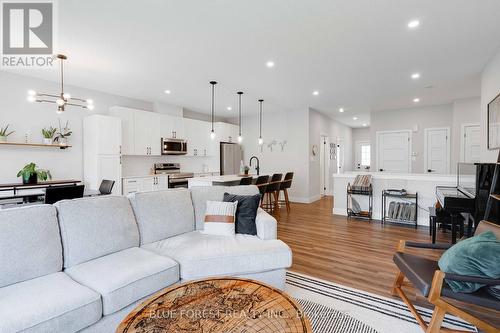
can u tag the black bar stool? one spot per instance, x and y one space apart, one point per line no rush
261 183
272 191
246 181
284 186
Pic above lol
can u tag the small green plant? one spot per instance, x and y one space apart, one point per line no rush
246 168
31 174
49 132
4 131
63 133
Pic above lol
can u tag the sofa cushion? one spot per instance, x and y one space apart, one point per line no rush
51 303
202 194
163 214
30 244
246 212
126 276
94 227
200 255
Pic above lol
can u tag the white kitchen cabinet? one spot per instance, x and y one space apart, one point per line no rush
101 151
145 184
172 127
198 137
141 134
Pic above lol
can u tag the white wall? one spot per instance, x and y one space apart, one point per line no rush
465 111
406 119
321 125
24 116
490 88
280 125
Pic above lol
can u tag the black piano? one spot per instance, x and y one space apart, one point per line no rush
469 196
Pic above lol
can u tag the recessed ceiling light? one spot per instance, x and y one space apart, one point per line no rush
413 24
167 92
364 125
341 110
416 100
229 108
270 64
354 118
315 93
415 76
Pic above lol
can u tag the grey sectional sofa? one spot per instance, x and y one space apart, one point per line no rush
82 265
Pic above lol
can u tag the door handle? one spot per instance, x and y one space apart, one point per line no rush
380 169
429 170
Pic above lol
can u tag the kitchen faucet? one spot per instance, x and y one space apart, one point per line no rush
258 164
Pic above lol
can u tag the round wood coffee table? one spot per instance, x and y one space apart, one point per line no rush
219 305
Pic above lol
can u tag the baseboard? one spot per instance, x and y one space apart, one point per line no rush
339 211
305 200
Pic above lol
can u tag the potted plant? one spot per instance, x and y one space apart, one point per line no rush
63 134
246 168
48 134
4 133
31 174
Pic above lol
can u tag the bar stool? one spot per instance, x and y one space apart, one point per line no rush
284 186
272 191
246 181
261 183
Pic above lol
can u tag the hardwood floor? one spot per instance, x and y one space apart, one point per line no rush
353 253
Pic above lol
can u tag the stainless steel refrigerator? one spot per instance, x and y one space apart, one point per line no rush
231 156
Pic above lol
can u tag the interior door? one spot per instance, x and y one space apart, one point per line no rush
393 151
471 144
437 150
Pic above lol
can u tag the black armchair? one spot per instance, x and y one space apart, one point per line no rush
424 274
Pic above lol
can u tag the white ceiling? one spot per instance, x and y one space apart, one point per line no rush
358 54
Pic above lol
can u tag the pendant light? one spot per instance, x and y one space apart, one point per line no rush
260 122
212 133
240 138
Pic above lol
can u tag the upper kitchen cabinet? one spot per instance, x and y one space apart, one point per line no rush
140 131
198 137
172 127
226 132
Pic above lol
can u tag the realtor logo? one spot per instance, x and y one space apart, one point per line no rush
27 29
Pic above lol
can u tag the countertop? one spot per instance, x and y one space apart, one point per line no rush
219 179
407 176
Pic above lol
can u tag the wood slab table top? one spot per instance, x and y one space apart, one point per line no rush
218 305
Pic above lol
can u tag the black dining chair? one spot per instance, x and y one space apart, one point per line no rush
272 192
261 183
54 194
106 186
246 181
284 186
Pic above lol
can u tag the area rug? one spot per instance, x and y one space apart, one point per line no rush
333 308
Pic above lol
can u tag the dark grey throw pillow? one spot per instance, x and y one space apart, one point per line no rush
246 212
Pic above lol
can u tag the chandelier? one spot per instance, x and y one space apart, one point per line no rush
62 99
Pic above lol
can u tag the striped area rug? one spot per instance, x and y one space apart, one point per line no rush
333 308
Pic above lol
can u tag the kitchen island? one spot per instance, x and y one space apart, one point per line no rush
225 180
424 184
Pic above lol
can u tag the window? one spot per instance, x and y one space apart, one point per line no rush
365 155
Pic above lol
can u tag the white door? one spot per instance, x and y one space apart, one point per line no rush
154 134
471 143
141 131
127 128
109 167
362 158
437 150
109 136
393 149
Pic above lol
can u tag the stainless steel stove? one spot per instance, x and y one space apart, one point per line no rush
176 178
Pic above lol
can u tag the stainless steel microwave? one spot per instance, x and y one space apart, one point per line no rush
173 146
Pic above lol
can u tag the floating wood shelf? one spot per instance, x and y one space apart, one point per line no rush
54 145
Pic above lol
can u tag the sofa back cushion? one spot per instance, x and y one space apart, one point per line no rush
163 214
94 227
30 244
202 194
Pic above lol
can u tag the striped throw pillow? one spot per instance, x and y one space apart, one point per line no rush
220 218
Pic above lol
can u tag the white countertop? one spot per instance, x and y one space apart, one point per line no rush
407 176
218 179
